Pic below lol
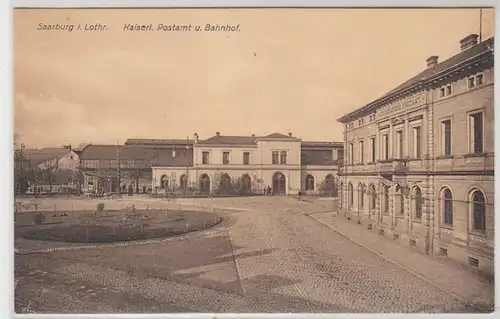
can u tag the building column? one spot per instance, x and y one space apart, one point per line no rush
406 137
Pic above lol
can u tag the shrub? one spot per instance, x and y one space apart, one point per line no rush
39 219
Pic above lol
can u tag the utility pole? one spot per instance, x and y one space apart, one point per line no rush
21 170
480 25
187 165
118 186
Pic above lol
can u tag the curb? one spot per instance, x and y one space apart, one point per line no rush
463 299
217 228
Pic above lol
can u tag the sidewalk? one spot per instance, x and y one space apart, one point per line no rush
452 279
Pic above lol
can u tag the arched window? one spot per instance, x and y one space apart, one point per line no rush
447 207
417 202
361 196
385 196
351 195
373 197
478 211
399 201
309 182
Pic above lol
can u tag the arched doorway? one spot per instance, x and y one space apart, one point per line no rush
163 182
225 184
279 184
246 184
183 182
310 182
205 183
329 186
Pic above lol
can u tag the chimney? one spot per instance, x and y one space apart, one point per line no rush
217 133
253 135
173 152
468 42
196 137
290 134
432 61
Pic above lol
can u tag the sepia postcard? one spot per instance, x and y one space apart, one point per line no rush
219 160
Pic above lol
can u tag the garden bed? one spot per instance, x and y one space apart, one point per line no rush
113 226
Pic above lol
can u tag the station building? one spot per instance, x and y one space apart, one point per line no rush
279 163
419 161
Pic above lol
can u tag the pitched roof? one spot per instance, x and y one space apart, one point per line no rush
229 140
38 156
167 142
430 72
183 158
317 157
157 156
322 144
279 135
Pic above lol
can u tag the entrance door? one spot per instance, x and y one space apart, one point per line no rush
279 184
205 184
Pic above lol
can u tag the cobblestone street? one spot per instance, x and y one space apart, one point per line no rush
269 255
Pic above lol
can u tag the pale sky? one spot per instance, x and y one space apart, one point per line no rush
286 70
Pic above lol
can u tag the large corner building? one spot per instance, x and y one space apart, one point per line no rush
419 161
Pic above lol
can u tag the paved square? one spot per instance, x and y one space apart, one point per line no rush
268 255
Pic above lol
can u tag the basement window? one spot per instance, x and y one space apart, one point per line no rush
413 243
443 252
474 262
395 236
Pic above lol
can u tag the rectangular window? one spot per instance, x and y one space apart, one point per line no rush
448 89
417 142
446 137
246 158
340 156
399 144
225 157
205 159
471 82
351 153
276 157
283 157
386 146
361 152
476 132
479 79
441 92
372 142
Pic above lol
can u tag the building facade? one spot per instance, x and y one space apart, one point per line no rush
103 174
268 164
277 164
419 161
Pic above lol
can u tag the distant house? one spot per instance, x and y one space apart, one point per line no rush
99 164
46 167
56 158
